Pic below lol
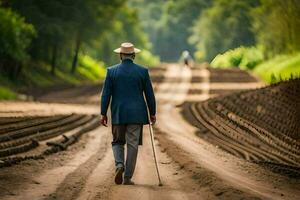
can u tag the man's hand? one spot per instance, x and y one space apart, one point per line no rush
104 120
153 119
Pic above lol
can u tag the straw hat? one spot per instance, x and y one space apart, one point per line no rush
127 48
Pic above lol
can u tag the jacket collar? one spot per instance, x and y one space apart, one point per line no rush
127 60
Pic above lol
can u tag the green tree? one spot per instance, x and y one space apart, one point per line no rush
53 29
63 26
124 27
168 24
277 26
15 38
91 21
226 25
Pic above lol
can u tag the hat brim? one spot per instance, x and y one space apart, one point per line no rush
136 50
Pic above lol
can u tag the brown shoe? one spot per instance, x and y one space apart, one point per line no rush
119 175
128 182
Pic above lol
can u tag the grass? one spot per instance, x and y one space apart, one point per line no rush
245 58
37 75
279 68
7 94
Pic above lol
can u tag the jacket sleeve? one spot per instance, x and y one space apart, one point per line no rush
149 94
106 94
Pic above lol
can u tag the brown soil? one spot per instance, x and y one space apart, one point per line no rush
258 125
192 164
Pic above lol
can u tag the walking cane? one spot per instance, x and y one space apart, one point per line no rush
153 146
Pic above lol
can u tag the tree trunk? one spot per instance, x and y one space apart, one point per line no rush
75 58
53 60
11 69
2 70
5 3
18 70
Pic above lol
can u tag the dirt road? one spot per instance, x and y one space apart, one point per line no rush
191 168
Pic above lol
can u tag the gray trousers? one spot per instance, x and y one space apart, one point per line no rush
123 134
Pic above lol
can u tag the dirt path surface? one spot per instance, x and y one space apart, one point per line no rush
191 168
174 179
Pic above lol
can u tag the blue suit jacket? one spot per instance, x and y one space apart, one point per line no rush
124 85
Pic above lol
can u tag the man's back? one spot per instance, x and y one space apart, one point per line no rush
128 80
125 84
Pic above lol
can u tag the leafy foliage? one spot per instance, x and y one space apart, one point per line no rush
168 24
277 26
7 94
210 27
15 35
225 25
64 36
125 27
91 68
64 26
242 57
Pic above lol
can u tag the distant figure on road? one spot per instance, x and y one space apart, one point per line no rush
186 58
125 85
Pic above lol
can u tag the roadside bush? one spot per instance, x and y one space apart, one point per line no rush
7 94
242 57
279 68
90 68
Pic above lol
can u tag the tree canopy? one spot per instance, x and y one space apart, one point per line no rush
58 32
226 25
169 24
210 27
276 25
15 38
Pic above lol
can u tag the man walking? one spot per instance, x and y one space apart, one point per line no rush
125 86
